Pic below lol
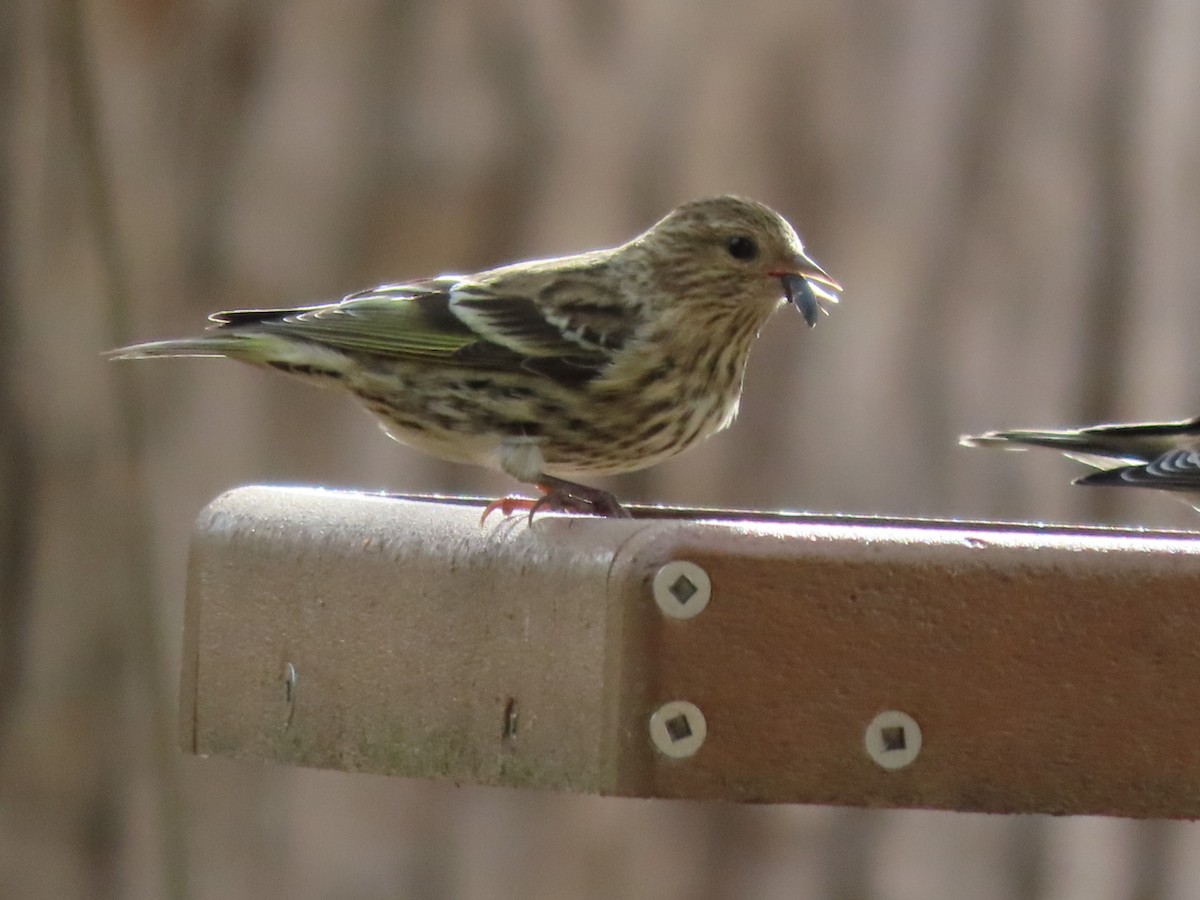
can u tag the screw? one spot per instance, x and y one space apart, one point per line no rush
289 692
678 729
681 589
893 739
508 730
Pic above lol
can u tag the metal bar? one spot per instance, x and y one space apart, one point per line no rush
872 662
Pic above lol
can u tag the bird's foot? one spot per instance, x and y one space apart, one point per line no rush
559 495
507 506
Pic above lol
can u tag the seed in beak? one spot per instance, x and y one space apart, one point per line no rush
800 293
806 286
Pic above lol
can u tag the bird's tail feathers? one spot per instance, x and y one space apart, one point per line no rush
1013 440
304 358
237 346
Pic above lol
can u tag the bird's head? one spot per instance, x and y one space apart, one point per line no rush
733 251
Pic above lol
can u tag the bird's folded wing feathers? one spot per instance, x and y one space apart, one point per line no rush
1178 470
446 319
565 317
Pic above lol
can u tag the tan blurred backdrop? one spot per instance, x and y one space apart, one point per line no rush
1009 190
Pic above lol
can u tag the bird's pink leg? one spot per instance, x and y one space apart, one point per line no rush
559 495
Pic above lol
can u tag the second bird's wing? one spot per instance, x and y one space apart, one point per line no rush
1176 470
1116 444
1163 456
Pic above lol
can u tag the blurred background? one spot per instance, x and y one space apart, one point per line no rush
1008 189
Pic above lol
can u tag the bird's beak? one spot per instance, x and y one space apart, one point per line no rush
806 284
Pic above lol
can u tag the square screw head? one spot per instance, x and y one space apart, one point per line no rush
681 589
893 739
678 729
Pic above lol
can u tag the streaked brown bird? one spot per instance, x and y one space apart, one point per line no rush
1160 455
604 362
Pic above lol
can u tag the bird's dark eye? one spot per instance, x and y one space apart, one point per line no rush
742 247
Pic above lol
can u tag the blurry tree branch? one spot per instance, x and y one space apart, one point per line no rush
17 482
984 112
70 47
1115 116
506 54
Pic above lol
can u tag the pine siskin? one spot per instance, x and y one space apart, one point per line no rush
1162 455
604 362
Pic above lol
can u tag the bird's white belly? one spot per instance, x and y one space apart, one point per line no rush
473 449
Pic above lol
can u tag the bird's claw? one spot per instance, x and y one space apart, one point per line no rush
507 506
577 499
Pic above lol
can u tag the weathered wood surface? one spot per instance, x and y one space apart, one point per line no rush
1049 670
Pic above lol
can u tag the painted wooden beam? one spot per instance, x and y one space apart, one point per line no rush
798 659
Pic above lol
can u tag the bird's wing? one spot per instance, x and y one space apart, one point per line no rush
1138 443
566 314
449 320
1176 470
405 320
